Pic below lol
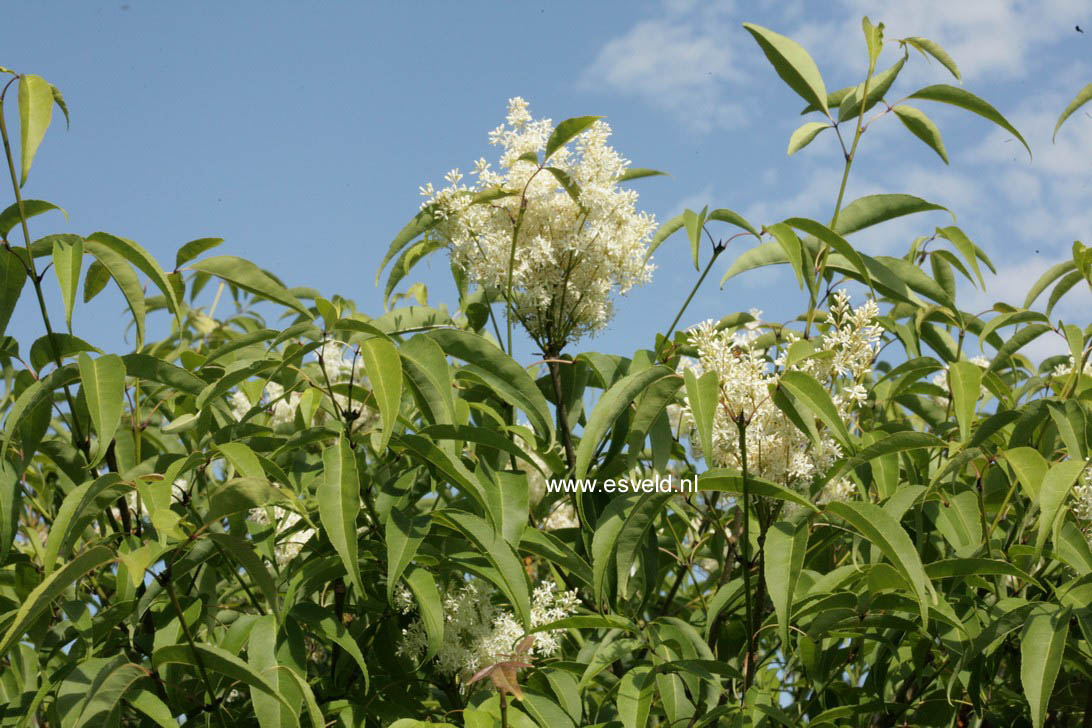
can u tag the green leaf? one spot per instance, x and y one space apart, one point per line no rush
1057 482
506 378
1049 276
945 94
850 106
666 230
894 443
731 481
103 382
242 551
806 389
1082 98
13 277
793 64
108 688
836 241
626 549
508 503
804 135
122 272
10 217
384 368
873 209
194 248
922 127
404 535
873 39
965 247
786 544
35 113
218 660
928 47
732 218
609 407
880 528
62 346
152 707
339 504
1042 645
429 608
249 277
67 264
33 396
703 396
429 378
694 222
241 494
510 576
793 250
11 498
1018 339
261 656
329 626
965 383
638 173
421 223
634 701
1029 466
760 256
80 506
140 259
50 588
565 132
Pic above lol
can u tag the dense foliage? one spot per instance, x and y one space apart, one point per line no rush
288 511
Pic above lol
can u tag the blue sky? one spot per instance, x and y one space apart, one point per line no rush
300 132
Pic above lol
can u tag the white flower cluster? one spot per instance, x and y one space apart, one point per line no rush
289 539
1064 370
338 370
571 253
776 449
1082 495
477 633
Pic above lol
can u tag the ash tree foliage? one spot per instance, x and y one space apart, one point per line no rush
290 512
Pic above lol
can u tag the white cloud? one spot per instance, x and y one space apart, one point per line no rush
678 63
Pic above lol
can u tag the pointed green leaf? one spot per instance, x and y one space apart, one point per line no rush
786 544
731 481
141 260
121 271
13 277
50 588
640 172
804 135
384 369
510 576
666 230
806 389
194 248
922 127
421 223
793 64
1042 646
1082 98
218 660
928 47
945 94
732 218
1057 483
609 407
103 382
249 277
11 217
703 396
502 374
35 113
965 383
68 264
565 132
873 209
108 688
429 607
339 504
11 499
241 550
836 241
404 535
887 534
